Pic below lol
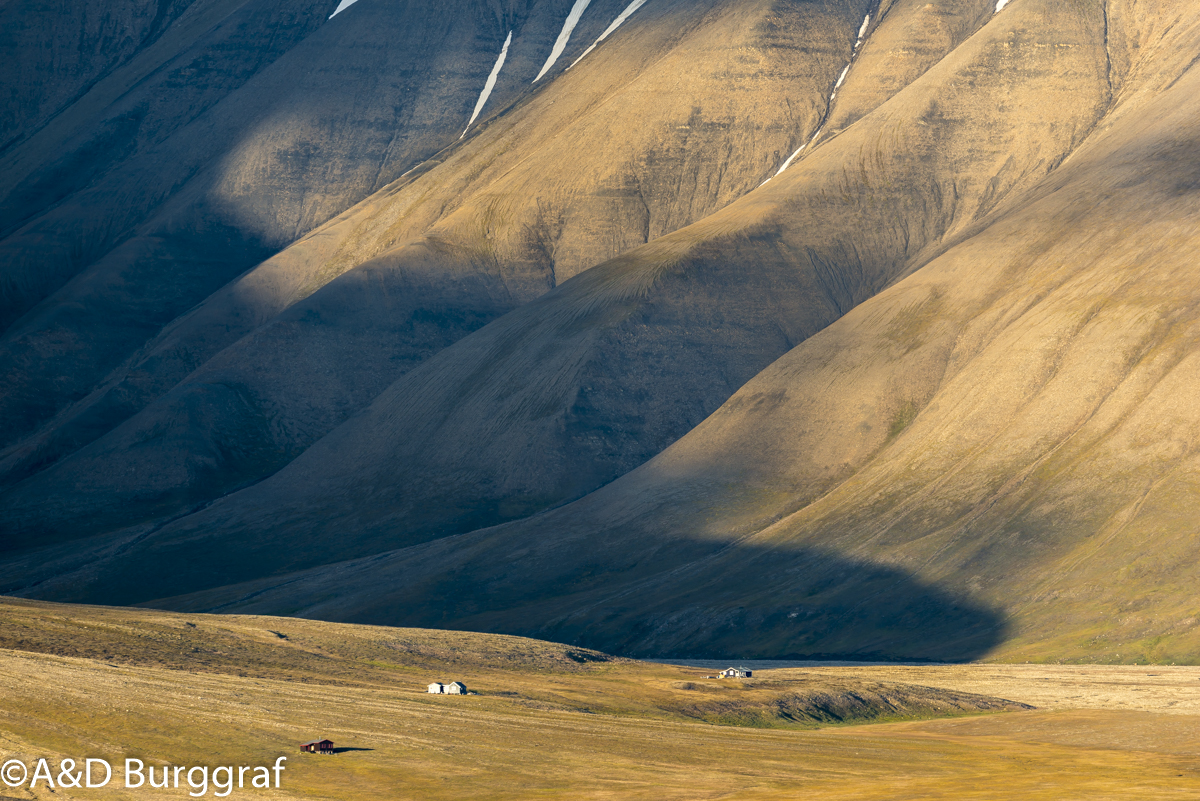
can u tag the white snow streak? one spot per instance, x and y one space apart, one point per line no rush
791 158
862 31
626 14
841 78
491 83
342 6
1000 4
794 156
563 37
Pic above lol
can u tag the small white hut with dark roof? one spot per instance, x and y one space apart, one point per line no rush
453 688
736 673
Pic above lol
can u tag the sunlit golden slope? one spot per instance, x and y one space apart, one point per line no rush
690 107
586 383
244 124
992 456
957 334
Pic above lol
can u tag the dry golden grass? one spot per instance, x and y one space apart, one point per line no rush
510 671
474 747
536 741
1158 689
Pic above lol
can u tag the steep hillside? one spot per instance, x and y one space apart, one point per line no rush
992 456
905 371
52 53
573 390
506 216
240 129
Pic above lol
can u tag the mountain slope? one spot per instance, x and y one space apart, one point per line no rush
1011 424
260 402
78 44
925 393
215 158
571 391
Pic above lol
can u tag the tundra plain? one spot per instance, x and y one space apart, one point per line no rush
555 721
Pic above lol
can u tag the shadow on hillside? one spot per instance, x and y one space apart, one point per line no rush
623 591
739 602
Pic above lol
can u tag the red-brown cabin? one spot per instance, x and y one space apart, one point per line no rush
318 747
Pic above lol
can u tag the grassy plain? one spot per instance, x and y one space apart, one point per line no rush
553 721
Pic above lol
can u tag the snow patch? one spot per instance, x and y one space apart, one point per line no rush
626 14
1000 4
862 31
491 83
791 158
841 78
342 6
796 155
563 37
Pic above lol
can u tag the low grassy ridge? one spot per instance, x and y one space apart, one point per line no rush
509 670
549 720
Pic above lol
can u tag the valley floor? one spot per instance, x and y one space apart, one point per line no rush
1143 688
559 725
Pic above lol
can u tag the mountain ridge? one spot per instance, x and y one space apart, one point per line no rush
922 394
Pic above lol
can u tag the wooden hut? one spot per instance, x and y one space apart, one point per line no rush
456 688
736 673
318 747
437 688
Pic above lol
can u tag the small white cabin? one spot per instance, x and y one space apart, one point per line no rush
736 673
453 688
